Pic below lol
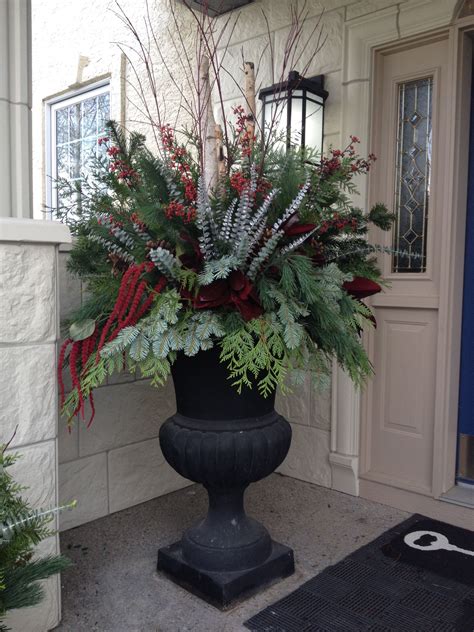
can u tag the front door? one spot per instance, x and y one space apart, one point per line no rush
410 106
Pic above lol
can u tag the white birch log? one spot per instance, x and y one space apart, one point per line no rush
250 99
208 126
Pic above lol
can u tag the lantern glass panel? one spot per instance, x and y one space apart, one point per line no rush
296 121
275 116
314 125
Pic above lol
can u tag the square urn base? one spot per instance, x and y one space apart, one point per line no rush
223 589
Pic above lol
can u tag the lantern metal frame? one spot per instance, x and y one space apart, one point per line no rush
310 88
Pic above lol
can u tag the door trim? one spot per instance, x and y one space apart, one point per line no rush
452 254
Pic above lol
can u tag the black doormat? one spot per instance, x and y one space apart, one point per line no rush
384 587
423 545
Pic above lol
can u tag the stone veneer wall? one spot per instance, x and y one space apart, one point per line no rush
28 334
117 462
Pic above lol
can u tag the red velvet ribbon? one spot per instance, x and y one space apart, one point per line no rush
236 290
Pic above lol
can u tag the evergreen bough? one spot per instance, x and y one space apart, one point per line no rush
21 529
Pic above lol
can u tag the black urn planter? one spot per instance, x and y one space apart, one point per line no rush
225 441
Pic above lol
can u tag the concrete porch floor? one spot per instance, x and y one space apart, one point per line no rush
114 587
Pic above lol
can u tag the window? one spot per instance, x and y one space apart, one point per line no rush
413 175
74 126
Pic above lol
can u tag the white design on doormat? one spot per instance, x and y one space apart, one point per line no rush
440 542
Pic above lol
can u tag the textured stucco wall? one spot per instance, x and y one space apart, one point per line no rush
109 458
28 333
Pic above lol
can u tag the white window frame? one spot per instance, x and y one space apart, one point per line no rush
51 106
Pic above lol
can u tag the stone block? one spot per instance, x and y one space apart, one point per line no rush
308 458
251 20
28 394
68 441
27 293
138 473
295 406
85 481
70 288
328 29
316 7
306 405
320 411
126 413
363 7
121 378
35 469
232 74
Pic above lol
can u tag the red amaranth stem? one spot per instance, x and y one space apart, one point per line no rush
131 284
116 309
84 349
132 311
147 304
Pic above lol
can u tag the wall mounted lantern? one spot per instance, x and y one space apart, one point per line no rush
296 107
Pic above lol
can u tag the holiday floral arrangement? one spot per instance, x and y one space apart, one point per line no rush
267 259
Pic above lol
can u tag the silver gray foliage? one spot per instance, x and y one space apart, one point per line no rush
235 239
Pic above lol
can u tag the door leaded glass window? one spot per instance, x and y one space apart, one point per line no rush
413 171
76 124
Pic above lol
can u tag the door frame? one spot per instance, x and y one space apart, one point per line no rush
363 40
453 233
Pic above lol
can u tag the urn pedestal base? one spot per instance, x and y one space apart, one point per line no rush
222 589
225 442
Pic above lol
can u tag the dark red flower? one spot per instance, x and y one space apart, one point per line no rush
360 287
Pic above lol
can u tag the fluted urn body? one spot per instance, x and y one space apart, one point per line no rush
225 441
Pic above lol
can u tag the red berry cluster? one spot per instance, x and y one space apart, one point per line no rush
118 165
246 138
179 160
177 209
338 223
346 160
239 182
